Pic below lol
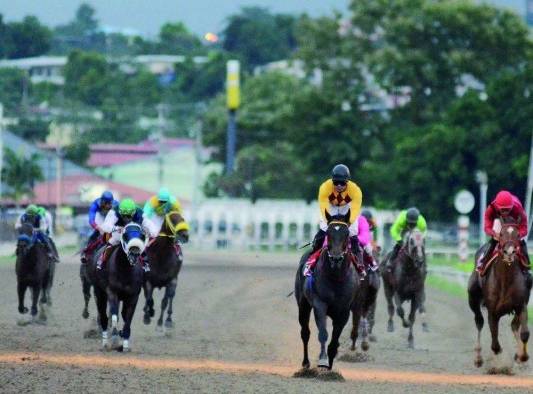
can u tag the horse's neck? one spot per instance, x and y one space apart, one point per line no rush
325 268
161 248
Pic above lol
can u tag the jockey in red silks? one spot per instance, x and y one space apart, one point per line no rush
504 206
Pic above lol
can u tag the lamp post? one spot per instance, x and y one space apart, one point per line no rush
482 179
529 186
1 146
233 102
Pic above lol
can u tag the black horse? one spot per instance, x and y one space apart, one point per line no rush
34 270
88 276
329 292
406 281
363 309
120 279
166 259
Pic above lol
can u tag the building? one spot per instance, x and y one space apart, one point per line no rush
40 69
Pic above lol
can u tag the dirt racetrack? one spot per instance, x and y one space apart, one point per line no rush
236 331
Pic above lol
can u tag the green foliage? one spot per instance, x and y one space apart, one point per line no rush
175 38
11 84
86 77
20 174
258 37
31 129
24 39
78 152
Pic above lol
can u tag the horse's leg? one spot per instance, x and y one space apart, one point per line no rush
371 322
320 311
21 290
101 304
149 303
412 316
338 326
356 318
422 310
474 301
170 292
34 300
399 310
524 335
128 310
113 306
493 324
164 304
86 288
390 306
304 314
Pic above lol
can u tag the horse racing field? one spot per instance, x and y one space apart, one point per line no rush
237 331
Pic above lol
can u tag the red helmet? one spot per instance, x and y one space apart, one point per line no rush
504 200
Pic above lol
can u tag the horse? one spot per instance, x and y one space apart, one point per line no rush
363 309
328 292
88 275
503 289
406 281
120 279
166 258
34 270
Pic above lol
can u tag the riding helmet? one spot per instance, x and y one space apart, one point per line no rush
367 214
32 210
163 195
340 173
106 196
504 200
127 207
412 215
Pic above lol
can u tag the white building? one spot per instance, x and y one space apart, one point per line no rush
40 69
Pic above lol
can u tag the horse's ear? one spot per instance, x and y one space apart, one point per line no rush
328 217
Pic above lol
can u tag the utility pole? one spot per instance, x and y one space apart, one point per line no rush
161 122
1 146
529 186
482 179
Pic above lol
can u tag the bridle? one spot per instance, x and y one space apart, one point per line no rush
505 244
171 226
336 260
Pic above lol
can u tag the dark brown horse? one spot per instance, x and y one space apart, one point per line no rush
503 289
166 258
34 270
328 292
406 281
88 273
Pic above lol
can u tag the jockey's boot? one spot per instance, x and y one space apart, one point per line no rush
103 257
390 261
144 262
318 242
487 250
357 254
368 258
51 250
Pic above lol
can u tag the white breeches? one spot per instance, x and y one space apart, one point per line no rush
153 224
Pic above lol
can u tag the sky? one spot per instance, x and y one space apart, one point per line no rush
200 16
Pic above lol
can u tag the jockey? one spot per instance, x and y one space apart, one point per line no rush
504 206
114 222
365 239
373 227
407 220
157 207
97 213
49 227
32 216
337 196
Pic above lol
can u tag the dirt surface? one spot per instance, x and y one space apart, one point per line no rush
236 331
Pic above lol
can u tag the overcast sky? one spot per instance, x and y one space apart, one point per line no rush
148 15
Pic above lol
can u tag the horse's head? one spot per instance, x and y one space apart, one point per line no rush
133 242
174 227
509 242
25 239
414 242
338 236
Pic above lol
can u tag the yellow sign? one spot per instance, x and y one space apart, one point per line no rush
232 84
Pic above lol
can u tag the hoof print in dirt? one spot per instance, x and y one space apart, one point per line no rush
329 375
91 334
500 371
356 357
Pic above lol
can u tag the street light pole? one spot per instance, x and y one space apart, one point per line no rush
529 186
482 179
1 146
232 102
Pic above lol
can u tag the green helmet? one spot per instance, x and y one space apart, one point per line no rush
163 195
41 210
127 207
32 210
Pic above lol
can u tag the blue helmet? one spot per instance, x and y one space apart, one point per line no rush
107 196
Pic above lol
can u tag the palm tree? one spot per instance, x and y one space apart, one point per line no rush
20 174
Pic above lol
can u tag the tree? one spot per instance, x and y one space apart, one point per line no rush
11 85
175 38
27 38
86 77
31 129
259 37
20 174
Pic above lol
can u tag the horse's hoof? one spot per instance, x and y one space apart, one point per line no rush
372 338
85 314
478 362
323 363
411 345
352 348
146 319
169 324
152 312
524 358
390 327
23 310
425 327
405 324
365 346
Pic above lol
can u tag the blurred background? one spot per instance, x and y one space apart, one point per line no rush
421 99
